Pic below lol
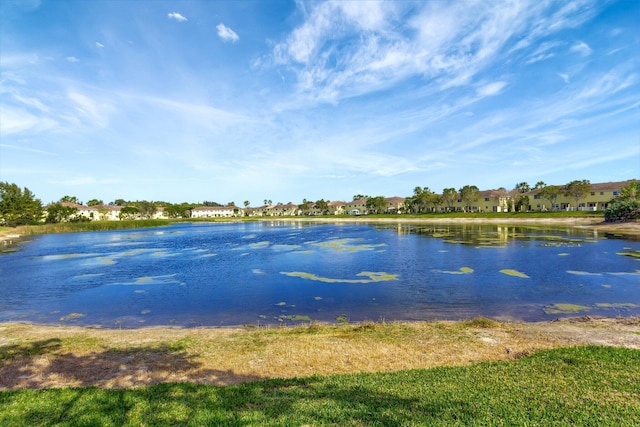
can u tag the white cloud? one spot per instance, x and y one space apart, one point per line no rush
100 45
582 48
178 17
72 59
94 111
226 33
18 120
564 77
491 89
346 49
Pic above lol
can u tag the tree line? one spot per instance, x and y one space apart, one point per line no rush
19 206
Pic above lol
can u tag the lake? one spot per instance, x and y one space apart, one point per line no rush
227 274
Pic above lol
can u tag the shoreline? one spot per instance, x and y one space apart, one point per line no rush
629 228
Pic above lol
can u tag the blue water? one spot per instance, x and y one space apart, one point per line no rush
218 274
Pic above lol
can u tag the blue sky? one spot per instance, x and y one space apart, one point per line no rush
252 100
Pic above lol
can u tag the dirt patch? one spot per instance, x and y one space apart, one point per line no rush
33 356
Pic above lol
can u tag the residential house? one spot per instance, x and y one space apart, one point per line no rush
337 207
356 207
215 211
395 204
596 200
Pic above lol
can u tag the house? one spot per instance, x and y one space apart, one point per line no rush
596 200
356 207
395 204
493 201
105 212
215 211
337 207
280 209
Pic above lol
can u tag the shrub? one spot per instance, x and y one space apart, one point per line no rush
622 210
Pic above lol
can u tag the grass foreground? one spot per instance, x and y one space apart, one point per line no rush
585 385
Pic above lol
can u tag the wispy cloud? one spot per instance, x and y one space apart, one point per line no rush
345 49
491 89
226 33
582 48
176 16
72 59
100 45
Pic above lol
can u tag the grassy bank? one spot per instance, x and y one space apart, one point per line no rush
72 227
67 227
587 385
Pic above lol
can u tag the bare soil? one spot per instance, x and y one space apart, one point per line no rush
33 356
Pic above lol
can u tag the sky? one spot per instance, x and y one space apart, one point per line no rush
288 100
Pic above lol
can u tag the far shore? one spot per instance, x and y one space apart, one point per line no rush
628 228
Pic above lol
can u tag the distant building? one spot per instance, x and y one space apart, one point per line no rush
215 212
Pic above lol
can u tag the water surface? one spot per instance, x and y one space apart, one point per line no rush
218 274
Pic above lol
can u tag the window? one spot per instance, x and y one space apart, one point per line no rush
615 193
487 199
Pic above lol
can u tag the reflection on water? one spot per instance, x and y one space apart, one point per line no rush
289 272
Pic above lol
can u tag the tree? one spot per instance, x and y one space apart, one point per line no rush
57 213
630 191
577 189
182 210
469 195
119 202
246 203
421 200
523 187
128 212
304 207
322 206
377 204
359 196
539 185
95 202
18 206
449 196
146 209
550 193
70 199
626 206
231 204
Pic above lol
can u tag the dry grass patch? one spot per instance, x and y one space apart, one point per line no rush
33 356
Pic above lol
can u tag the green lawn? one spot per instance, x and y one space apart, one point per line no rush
588 385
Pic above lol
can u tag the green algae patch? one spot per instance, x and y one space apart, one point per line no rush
630 253
565 308
296 318
372 276
72 316
625 273
57 257
616 305
347 245
152 280
463 270
514 273
583 273
343 318
259 245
